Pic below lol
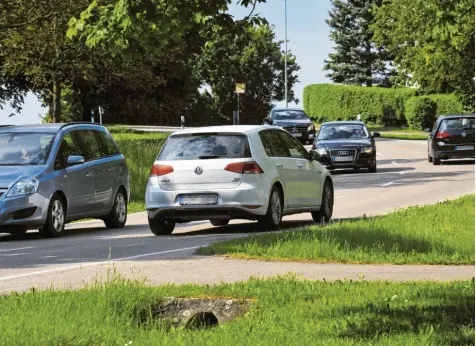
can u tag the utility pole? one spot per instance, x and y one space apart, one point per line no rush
286 52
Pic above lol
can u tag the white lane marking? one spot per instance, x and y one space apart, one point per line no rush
339 197
387 184
394 163
92 264
402 172
354 174
19 248
379 154
15 254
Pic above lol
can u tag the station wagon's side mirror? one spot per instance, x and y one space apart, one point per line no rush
74 160
375 134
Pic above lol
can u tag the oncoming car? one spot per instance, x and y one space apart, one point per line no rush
52 174
346 144
295 121
235 172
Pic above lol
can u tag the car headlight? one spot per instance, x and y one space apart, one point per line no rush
368 150
321 151
24 187
310 128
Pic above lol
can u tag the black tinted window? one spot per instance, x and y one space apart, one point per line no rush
92 146
108 145
272 144
205 146
293 147
463 123
338 132
69 146
289 115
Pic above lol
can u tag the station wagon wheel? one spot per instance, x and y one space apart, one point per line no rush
118 216
327 204
56 218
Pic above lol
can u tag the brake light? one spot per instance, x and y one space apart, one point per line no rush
158 170
442 135
249 167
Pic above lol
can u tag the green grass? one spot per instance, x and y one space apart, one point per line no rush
140 151
433 234
287 311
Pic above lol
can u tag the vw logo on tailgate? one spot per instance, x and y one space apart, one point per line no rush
342 153
198 170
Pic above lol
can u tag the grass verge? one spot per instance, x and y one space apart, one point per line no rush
287 312
435 234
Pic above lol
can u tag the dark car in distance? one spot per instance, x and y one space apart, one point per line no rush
452 137
346 144
293 120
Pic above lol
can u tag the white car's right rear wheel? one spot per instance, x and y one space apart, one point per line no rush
274 215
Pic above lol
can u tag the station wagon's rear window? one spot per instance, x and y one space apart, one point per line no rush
205 146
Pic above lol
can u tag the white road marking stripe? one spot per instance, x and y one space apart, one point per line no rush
15 254
92 264
379 154
387 184
402 172
339 197
394 163
19 248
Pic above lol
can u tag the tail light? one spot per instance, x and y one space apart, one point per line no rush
249 167
442 135
158 170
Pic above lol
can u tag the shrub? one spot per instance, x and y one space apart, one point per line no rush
420 112
447 104
382 106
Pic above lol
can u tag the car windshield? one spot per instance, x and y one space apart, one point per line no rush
24 148
289 115
205 146
463 123
339 132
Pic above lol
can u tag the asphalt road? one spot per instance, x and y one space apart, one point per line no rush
89 250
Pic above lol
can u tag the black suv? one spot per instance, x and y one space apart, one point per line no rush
452 136
295 121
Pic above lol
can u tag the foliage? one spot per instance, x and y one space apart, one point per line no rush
287 311
357 60
420 112
438 55
447 104
384 106
252 55
434 234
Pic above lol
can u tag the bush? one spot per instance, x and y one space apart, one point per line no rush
447 104
420 112
381 106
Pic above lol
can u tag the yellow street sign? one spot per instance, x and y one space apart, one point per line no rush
240 88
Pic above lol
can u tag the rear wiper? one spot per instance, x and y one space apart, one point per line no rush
206 157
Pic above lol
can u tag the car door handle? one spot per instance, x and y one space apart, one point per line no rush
279 165
89 174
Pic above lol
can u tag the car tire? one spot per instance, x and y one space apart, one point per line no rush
161 226
327 204
373 169
56 218
219 222
274 214
118 216
430 158
436 161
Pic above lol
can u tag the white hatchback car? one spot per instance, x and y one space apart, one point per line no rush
235 172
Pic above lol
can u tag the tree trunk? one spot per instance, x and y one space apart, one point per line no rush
56 116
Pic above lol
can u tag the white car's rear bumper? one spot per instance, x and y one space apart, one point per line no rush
242 202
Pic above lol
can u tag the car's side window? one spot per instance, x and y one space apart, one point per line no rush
91 144
108 145
272 144
434 127
294 148
69 146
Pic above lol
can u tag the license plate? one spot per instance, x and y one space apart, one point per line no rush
342 158
465 147
198 200
297 134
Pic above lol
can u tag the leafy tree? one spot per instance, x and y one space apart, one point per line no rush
433 43
250 54
357 60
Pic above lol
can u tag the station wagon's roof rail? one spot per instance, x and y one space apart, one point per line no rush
78 123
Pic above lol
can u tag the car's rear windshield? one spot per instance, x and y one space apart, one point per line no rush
463 123
289 115
341 132
205 146
24 148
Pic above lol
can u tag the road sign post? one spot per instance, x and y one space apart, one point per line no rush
239 89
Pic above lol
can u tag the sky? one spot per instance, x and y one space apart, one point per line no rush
308 40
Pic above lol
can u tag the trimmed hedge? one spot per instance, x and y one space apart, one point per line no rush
447 104
384 106
420 112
